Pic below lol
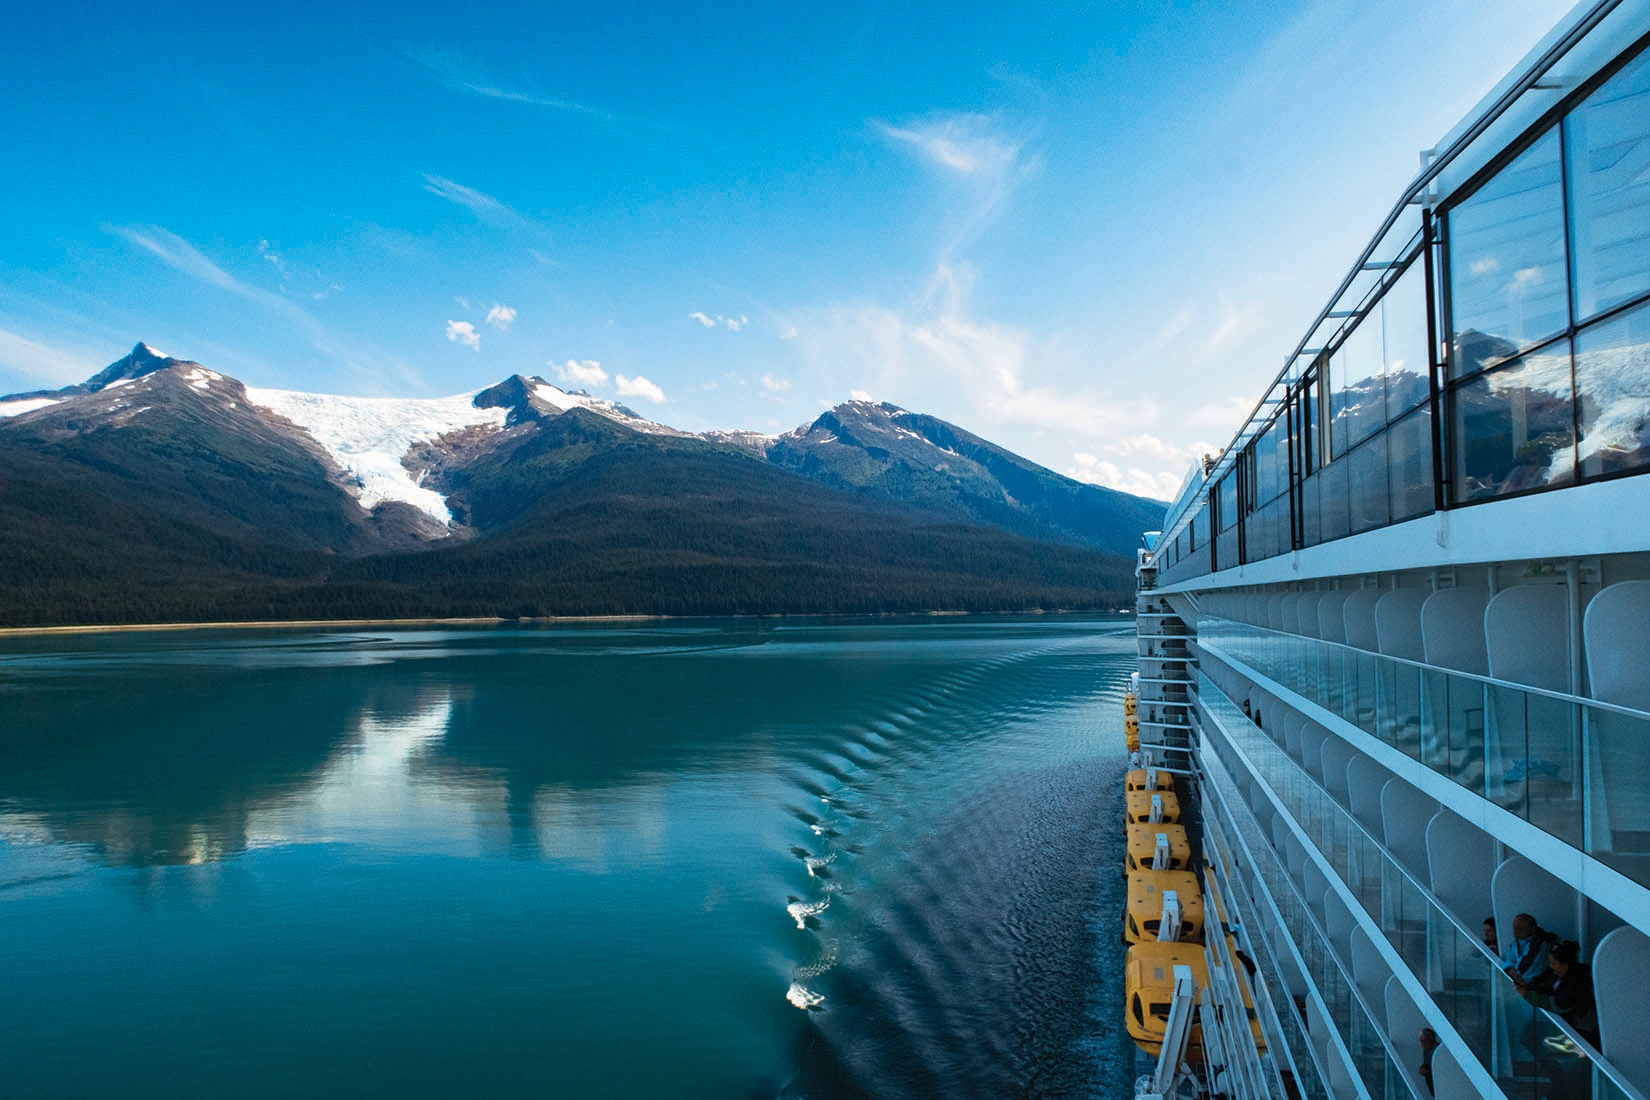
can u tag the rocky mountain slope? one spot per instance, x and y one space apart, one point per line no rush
160 489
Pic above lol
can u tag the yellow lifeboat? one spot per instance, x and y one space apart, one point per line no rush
1148 990
1145 907
1138 778
1137 807
1142 846
1129 701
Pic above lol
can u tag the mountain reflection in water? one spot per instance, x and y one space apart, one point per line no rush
589 860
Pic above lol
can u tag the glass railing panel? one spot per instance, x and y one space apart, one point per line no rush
1344 1010
1523 1046
1572 767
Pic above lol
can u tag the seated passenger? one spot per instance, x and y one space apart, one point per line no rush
1570 988
1524 958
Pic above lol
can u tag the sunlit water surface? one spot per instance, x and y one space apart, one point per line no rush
748 859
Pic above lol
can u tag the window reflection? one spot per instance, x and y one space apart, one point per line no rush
1613 394
1406 362
1508 287
1332 489
1512 427
1409 465
1367 484
1608 140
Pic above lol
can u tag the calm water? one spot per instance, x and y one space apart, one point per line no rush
685 860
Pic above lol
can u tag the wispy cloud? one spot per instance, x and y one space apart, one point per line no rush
501 317
581 372
981 160
732 324
182 256
274 259
43 363
775 385
492 211
461 77
463 332
639 387
1001 379
969 144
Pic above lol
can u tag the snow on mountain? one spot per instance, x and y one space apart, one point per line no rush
17 408
562 401
368 436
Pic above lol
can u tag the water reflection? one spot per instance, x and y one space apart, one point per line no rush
175 752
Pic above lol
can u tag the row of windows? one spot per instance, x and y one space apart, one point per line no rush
1547 276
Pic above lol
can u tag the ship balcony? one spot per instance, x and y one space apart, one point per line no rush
1573 767
1400 952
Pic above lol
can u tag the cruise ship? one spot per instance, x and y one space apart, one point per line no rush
1394 640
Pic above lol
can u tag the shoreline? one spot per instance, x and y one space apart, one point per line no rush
313 624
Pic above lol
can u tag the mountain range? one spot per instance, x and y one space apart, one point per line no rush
161 490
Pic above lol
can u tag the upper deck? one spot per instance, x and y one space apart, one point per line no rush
1479 384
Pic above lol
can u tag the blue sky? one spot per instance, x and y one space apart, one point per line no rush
1086 231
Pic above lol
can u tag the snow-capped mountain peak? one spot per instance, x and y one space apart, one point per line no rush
369 436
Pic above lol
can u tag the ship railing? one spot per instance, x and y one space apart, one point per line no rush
1464 979
1356 1043
1538 754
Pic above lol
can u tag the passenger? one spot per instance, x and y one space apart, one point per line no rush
1429 1043
1525 957
1489 937
1247 713
1257 719
1570 987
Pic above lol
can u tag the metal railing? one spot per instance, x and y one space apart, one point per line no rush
1528 1049
1541 755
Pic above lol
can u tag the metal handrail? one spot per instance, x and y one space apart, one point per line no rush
1528 689
1596 1058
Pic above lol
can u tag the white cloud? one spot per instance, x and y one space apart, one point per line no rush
581 372
501 317
274 258
184 257
732 324
485 207
460 78
972 144
38 361
789 333
860 395
775 385
1142 464
463 332
639 387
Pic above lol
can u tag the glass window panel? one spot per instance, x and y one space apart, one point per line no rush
1508 289
1512 427
1404 321
1363 400
1265 469
1613 394
1367 477
1409 465
1309 417
1228 501
1335 402
1311 528
1332 514
1608 143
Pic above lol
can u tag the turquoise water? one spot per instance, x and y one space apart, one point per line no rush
744 859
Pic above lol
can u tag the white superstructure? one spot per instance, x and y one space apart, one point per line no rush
1399 629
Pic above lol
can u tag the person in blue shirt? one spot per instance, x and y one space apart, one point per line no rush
1524 956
